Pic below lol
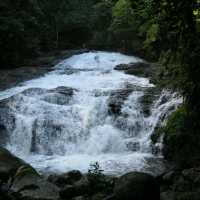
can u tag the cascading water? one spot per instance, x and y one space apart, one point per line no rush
62 121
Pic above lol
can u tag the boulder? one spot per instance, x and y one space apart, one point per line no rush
136 186
60 95
21 180
79 188
117 99
8 164
68 178
30 185
167 195
138 69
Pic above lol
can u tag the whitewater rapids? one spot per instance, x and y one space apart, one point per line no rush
74 133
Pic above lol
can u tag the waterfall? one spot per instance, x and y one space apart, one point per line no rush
66 119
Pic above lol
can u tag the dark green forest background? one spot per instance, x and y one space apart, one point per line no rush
163 31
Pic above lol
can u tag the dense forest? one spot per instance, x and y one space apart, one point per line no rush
166 32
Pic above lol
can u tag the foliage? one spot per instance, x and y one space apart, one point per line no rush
122 26
180 146
98 181
18 26
31 26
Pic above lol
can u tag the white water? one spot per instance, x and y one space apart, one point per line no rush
80 131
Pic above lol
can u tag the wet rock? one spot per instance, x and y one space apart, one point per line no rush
9 164
59 95
79 188
138 69
65 179
28 183
169 177
98 196
188 195
7 120
192 174
117 99
146 101
133 146
167 195
136 186
34 92
180 184
80 198
21 180
110 197
3 135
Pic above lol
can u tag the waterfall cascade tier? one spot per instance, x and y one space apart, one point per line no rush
84 112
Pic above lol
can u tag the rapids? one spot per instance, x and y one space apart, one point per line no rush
62 121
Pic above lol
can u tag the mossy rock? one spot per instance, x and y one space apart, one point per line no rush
181 145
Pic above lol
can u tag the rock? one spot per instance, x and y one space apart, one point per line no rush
146 101
80 198
192 175
59 95
9 164
23 180
79 188
167 195
188 195
31 186
34 92
110 197
169 177
65 179
98 196
182 185
133 146
3 135
138 69
67 91
117 99
136 186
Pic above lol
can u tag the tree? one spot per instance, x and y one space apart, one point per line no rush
122 26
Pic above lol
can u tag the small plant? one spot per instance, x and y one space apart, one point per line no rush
98 181
95 170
